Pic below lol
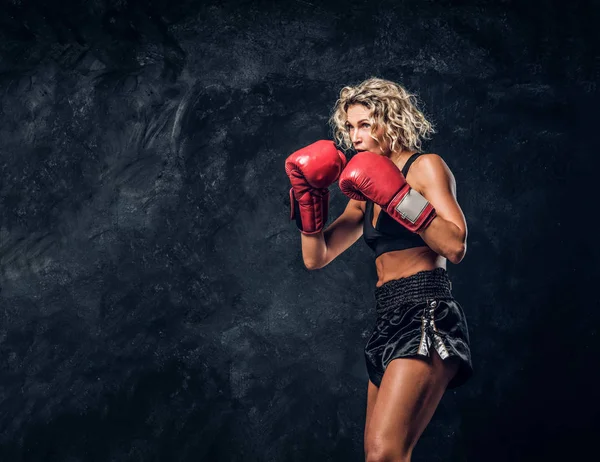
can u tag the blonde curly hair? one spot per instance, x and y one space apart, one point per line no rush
392 107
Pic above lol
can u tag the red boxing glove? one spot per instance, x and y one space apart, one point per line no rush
375 177
311 171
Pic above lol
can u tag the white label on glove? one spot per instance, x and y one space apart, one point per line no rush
412 205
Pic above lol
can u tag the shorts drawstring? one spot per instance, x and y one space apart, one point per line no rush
429 333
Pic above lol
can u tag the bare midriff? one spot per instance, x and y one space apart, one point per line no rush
403 263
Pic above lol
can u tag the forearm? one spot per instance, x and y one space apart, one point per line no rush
446 239
314 249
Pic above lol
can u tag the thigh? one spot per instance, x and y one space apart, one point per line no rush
410 391
371 399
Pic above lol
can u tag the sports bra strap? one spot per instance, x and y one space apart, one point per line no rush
409 162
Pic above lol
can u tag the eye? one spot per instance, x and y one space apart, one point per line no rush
365 125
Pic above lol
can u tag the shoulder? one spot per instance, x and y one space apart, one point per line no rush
428 162
430 169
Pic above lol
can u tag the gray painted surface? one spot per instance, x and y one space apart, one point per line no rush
154 305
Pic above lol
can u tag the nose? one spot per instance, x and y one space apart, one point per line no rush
355 136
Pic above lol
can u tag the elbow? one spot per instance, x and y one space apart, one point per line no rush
311 265
313 262
457 255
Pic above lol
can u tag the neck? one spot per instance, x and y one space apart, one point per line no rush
399 157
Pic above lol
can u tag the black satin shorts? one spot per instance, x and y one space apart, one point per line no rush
415 314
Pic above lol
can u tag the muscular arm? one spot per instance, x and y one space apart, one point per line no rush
447 233
318 250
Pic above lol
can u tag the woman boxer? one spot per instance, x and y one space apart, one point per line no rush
404 204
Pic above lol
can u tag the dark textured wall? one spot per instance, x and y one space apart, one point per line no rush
154 304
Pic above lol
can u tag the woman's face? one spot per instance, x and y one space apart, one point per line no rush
359 129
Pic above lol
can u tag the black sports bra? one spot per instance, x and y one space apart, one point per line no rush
388 234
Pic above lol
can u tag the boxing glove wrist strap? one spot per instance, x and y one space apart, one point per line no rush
311 219
411 209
